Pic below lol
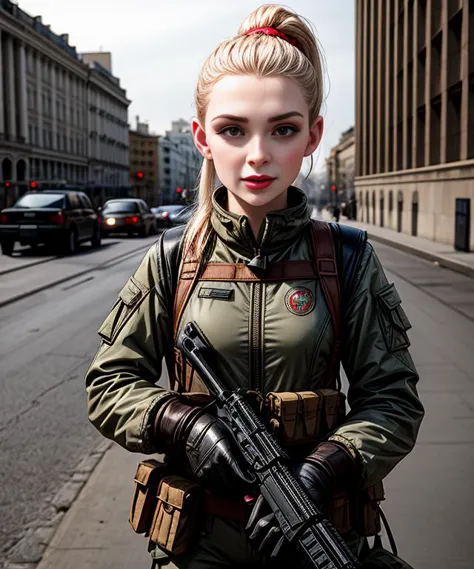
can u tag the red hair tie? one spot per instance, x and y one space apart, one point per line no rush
271 32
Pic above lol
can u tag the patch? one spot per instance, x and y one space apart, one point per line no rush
299 301
216 293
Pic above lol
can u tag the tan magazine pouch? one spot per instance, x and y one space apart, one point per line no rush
304 416
365 513
176 523
147 479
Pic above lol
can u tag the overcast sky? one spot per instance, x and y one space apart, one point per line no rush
158 48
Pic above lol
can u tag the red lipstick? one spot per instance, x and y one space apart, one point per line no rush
258 182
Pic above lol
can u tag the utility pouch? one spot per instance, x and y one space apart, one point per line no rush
365 511
304 416
178 514
294 416
147 479
339 513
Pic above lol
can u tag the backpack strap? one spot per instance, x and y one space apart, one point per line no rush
325 266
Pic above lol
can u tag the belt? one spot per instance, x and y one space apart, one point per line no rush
236 510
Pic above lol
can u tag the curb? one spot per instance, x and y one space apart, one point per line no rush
441 261
105 264
29 550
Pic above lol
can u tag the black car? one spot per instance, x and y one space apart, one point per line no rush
172 215
127 215
61 218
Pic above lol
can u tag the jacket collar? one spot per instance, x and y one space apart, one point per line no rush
278 229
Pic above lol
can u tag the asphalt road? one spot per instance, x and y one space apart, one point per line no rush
48 340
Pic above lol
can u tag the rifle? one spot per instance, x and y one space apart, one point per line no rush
318 543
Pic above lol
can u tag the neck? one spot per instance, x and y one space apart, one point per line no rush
255 214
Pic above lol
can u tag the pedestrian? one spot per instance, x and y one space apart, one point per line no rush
259 278
336 213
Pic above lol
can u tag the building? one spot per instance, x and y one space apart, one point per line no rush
415 115
61 118
144 164
180 161
340 167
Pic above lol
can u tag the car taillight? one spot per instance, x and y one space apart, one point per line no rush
165 214
56 218
4 218
134 219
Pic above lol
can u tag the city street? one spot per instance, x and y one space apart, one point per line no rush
47 340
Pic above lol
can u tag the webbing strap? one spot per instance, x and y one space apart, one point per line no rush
238 272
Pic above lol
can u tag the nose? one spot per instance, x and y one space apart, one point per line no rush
258 153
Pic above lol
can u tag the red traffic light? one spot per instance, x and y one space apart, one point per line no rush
33 185
333 188
8 185
179 190
139 175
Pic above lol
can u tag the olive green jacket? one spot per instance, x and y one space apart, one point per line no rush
264 340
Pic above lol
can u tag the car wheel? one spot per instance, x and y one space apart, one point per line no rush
71 245
96 240
7 247
143 232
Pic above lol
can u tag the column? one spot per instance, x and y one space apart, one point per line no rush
405 111
10 90
54 115
429 72
379 121
371 97
444 81
396 40
22 92
2 110
357 89
465 80
39 106
414 102
67 117
364 118
388 107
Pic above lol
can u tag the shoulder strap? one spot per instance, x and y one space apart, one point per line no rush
324 259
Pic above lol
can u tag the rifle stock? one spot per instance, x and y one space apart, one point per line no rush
318 544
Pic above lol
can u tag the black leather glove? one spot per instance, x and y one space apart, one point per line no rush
328 469
208 443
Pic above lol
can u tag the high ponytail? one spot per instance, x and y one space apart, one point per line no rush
263 56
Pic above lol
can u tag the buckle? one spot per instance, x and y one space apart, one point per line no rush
327 267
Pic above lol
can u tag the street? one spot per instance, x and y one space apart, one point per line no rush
47 340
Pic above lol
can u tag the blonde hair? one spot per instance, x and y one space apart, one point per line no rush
261 55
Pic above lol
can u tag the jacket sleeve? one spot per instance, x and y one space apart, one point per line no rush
386 413
121 383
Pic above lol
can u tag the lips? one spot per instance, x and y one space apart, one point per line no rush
258 179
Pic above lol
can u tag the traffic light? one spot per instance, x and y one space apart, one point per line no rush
8 185
179 190
139 175
333 188
33 185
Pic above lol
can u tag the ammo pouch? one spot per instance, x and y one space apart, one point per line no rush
359 512
304 416
176 523
147 479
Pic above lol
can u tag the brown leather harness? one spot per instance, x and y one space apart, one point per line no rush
194 269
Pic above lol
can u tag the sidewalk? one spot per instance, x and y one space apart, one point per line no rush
440 253
95 533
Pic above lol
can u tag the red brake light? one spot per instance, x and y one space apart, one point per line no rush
4 218
165 214
56 218
134 219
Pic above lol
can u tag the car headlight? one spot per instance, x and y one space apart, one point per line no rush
110 221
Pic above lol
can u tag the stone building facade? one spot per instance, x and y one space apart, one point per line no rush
144 164
415 115
60 117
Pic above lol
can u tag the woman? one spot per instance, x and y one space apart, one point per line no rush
258 100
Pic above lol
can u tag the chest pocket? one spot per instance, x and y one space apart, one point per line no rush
393 319
130 298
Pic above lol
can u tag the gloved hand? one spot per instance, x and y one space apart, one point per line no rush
328 469
208 443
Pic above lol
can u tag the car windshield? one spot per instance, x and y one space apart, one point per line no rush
120 207
170 208
32 201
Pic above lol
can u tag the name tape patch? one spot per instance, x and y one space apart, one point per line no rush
216 293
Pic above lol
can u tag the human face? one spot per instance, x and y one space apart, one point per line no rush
257 126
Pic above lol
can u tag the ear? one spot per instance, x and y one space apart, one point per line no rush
315 135
199 137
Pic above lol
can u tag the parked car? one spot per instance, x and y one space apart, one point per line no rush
128 215
172 215
61 218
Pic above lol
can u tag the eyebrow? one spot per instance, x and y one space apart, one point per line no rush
271 119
